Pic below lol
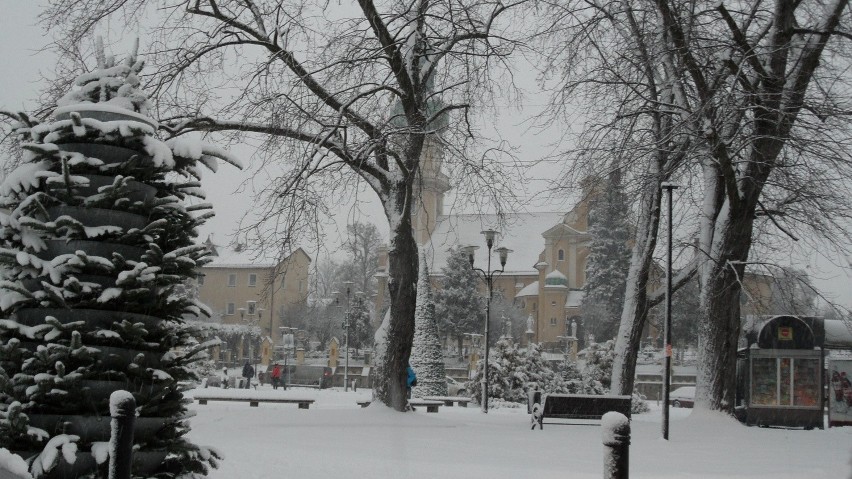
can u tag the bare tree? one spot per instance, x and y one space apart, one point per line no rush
362 256
756 92
608 57
336 96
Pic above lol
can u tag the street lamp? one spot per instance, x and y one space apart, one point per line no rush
668 187
488 276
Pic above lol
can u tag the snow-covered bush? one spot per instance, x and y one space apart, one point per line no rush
638 405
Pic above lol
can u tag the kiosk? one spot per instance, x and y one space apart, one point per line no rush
780 373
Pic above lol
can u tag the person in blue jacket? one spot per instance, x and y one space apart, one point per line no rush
410 381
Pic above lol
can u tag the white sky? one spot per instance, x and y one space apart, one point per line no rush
21 63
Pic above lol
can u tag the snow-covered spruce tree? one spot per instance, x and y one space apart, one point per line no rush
539 374
426 356
609 258
95 247
506 377
568 376
598 367
458 304
360 329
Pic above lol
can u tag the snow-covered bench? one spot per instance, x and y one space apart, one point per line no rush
253 402
431 406
574 406
449 400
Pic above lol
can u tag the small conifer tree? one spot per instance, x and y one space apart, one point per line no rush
426 356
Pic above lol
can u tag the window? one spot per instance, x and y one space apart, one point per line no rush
553 321
560 255
252 307
533 305
232 280
230 309
201 280
523 304
252 280
553 304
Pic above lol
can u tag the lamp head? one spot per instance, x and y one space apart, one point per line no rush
489 237
504 254
469 251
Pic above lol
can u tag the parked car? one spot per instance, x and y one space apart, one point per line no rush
455 388
682 397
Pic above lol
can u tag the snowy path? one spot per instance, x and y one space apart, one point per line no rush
337 437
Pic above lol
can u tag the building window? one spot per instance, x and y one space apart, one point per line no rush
252 280
201 280
533 305
252 307
232 280
560 255
523 304
230 309
553 304
553 321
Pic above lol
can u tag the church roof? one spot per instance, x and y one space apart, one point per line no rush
574 299
529 290
521 233
555 279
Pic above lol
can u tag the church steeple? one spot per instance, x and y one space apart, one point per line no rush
432 185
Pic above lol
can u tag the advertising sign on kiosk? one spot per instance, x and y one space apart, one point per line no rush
839 392
782 381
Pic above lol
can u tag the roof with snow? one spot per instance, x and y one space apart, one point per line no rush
529 290
243 257
521 233
555 279
574 299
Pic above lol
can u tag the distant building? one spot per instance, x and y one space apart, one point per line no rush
545 272
242 289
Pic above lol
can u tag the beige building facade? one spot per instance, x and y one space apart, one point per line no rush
241 289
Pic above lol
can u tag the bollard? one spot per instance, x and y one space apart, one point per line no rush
122 408
615 432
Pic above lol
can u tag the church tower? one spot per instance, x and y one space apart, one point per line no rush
432 184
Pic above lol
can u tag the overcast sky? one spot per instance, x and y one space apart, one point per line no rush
230 190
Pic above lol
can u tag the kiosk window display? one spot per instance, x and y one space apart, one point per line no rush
783 377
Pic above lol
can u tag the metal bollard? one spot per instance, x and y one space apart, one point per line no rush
122 408
615 432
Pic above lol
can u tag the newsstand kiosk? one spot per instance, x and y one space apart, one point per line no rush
781 373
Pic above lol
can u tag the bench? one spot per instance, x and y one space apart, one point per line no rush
253 402
574 406
449 400
431 406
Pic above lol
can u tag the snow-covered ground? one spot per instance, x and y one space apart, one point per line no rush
335 438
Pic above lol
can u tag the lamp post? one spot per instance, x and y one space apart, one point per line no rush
488 276
668 187
346 318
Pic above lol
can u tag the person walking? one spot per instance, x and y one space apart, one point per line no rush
248 373
276 375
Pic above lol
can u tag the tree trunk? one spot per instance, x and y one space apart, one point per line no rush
721 285
635 310
402 289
